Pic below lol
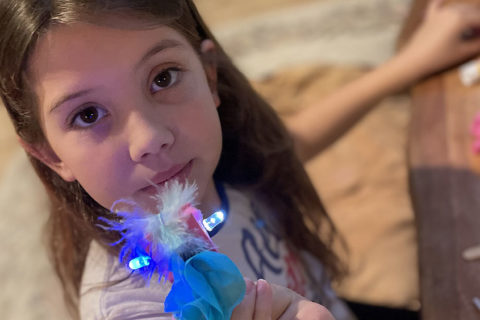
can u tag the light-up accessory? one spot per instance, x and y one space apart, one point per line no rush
209 223
214 220
139 262
174 242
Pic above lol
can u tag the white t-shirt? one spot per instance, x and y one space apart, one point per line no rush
256 250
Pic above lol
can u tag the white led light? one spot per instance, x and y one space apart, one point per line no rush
214 220
139 262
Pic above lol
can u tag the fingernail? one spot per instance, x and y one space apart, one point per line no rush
261 285
249 286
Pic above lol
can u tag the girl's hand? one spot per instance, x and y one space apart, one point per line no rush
264 301
289 305
449 34
257 303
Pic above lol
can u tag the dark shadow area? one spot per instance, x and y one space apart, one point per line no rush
371 312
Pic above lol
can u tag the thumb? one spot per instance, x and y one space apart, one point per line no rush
433 6
263 304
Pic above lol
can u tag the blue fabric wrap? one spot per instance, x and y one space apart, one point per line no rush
207 286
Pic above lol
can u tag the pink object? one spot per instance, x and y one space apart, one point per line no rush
475 132
194 223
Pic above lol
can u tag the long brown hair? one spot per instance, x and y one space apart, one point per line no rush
257 154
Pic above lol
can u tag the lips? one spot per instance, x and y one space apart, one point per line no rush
177 172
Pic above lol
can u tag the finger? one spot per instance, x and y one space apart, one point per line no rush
471 26
246 308
433 6
471 17
308 310
291 305
282 298
263 303
470 49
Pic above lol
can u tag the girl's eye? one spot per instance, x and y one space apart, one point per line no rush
164 79
88 116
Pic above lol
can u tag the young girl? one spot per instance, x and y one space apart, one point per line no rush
109 96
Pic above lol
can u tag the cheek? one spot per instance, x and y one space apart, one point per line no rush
104 185
203 125
204 110
102 174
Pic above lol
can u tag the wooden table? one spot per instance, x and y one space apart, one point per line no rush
445 190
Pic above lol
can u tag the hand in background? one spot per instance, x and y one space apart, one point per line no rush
264 301
448 34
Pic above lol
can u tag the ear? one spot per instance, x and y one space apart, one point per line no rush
208 52
47 156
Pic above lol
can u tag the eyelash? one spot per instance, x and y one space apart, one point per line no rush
100 114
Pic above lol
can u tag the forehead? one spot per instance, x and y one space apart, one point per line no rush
76 56
64 46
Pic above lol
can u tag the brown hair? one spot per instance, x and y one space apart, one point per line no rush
257 152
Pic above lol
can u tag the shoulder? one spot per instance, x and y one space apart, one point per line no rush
108 291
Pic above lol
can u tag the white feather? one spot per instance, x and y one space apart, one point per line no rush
159 235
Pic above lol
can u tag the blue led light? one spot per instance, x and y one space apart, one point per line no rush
214 220
139 262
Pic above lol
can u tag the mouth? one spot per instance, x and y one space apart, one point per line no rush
178 172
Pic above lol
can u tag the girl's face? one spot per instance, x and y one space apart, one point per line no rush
121 108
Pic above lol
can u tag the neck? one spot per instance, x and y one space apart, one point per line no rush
211 201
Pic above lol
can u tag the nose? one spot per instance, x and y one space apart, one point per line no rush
148 137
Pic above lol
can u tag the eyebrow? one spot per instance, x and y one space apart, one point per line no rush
161 46
68 97
157 48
